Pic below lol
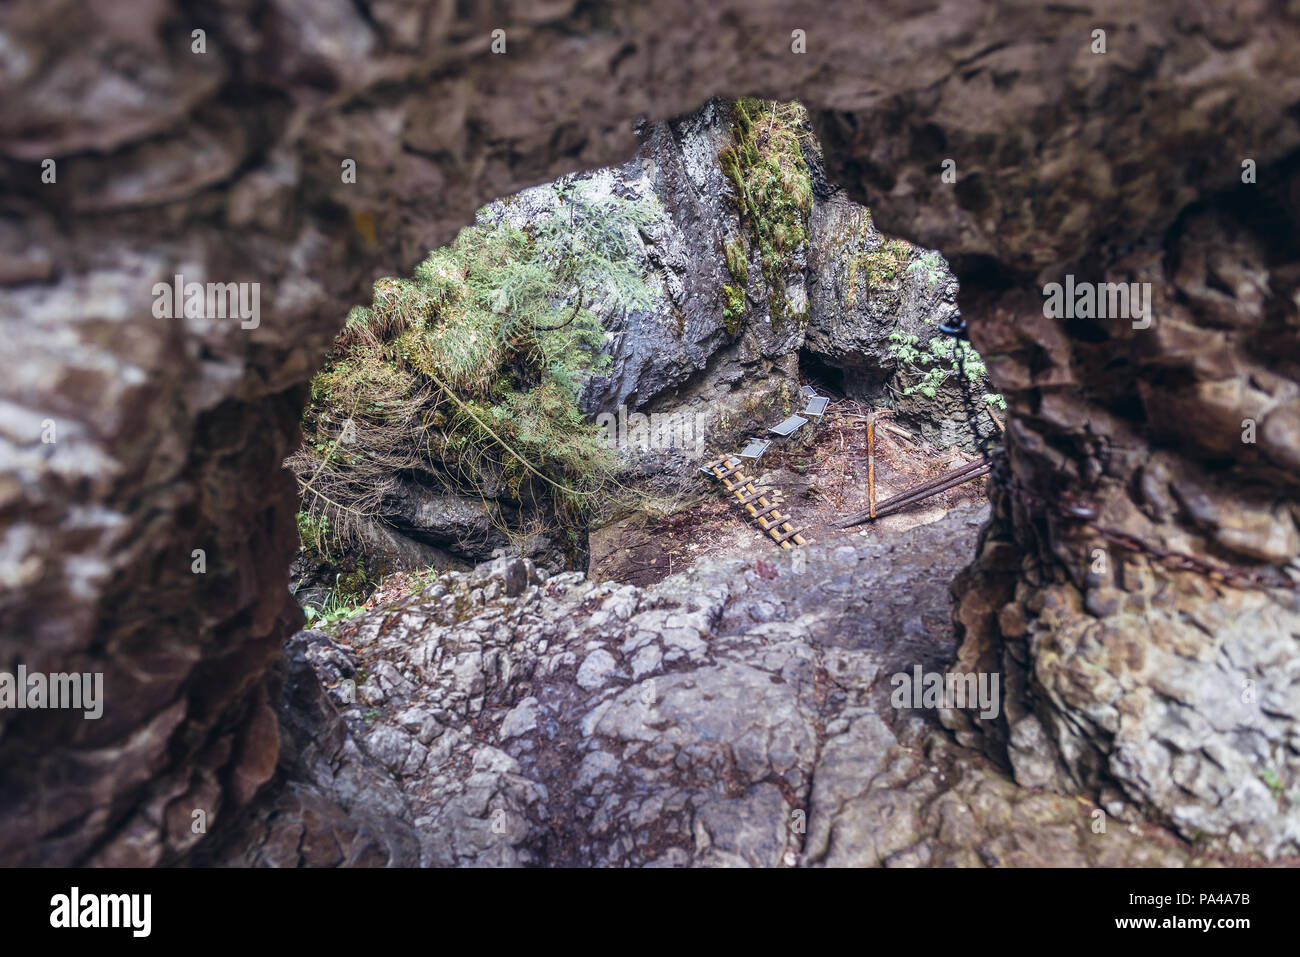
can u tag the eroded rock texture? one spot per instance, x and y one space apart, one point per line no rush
680 355
736 715
1162 688
225 166
869 288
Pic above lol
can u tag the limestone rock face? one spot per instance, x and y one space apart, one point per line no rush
451 521
869 289
679 356
852 318
226 165
1130 675
339 808
684 339
723 379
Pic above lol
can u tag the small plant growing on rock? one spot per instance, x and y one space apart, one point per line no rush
734 251
881 268
937 361
1273 783
930 265
733 312
343 602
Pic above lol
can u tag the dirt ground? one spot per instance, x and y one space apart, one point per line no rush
822 471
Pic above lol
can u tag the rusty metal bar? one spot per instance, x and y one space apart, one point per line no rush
929 484
871 463
913 495
928 493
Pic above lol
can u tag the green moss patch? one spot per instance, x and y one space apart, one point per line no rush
766 165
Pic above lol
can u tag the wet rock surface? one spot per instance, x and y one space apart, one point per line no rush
713 380
681 345
721 718
335 805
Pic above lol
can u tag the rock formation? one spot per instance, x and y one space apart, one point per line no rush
215 144
738 714
868 290
714 350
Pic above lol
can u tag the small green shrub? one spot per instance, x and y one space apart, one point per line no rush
734 251
733 312
1274 783
313 532
345 600
930 265
937 361
470 368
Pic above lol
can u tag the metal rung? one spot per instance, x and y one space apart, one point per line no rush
789 425
817 406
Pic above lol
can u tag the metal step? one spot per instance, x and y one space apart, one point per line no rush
817 406
789 425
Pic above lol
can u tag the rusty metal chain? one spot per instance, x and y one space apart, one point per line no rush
1232 576
958 332
1078 510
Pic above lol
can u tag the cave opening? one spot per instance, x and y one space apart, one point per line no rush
551 384
821 374
1132 585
